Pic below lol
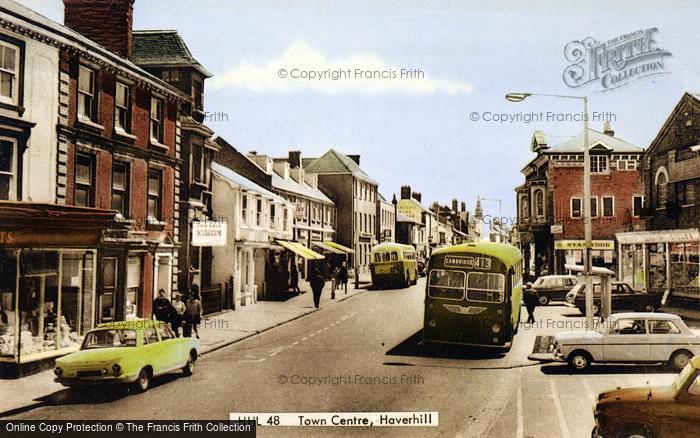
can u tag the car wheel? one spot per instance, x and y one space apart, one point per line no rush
680 359
544 300
143 381
188 369
579 360
634 431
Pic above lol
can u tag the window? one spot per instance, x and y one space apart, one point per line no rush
155 188
197 161
122 107
164 332
629 327
524 208
86 95
171 75
576 207
539 203
608 206
9 73
285 225
150 336
685 192
156 120
272 215
486 286
594 206
84 180
8 169
198 94
446 284
244 208
120 188
259 213
627 164
637 205
661 187
660 327
599 163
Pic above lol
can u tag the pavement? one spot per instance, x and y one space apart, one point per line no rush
217 331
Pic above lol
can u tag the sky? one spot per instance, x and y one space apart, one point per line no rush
422 131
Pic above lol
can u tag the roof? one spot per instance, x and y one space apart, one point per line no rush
669 120
291 186
575 144
508 254
400 217
335 162
387 246
644 315
70 38
415 201
239 180
163 48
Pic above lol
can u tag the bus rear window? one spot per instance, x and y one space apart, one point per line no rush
446 284
486 287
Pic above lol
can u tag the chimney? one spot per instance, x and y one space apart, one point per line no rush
355 158
607 130
454 205
405 192
294 159
417 196
106 22
464 206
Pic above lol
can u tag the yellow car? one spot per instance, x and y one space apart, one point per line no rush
127 352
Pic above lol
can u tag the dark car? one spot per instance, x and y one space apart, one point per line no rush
553 287
624 299
651 412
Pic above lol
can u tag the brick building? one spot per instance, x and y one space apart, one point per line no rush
550 203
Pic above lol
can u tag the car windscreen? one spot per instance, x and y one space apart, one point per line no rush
109 339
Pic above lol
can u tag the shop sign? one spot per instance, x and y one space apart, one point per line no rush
556 229
208 233
604 245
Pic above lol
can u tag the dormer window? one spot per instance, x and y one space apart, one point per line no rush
599 163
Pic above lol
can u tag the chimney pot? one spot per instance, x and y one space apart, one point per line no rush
607 129
294 159
106 22
417 196
405 192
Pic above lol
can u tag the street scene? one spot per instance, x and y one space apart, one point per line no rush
358 218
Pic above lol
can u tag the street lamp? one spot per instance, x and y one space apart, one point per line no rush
393 236
519 97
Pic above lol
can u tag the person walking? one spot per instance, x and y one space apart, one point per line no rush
317 282
193 313
162 308
179 314
294 279
531 299
343 276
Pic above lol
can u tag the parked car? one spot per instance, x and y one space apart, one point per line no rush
624 298
637 337
646 412
127 352
570 299
553 287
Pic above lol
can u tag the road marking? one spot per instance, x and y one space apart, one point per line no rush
303 339
273 353
295 343
520 431
312 335
252 360
560 412
482 420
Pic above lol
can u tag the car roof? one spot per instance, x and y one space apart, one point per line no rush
645 315
133 324
557 276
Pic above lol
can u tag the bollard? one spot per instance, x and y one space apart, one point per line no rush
332 288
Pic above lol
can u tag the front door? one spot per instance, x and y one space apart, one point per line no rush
627 341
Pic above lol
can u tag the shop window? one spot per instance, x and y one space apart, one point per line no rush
87 95
8 169
637 205
122 107
599 163
576 208
155 189
9 73
156 120
685 270
608 206
120 188
84 180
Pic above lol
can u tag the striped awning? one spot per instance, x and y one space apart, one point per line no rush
301 250
324 246
340 247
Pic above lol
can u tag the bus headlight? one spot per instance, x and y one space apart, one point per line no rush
499 311
496 328
495 340
58 371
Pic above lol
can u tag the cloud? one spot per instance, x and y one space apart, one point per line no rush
301 68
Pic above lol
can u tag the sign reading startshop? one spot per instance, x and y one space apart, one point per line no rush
208 233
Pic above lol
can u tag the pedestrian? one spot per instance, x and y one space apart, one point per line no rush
179 314
317 282
531 299
294 278
343 276
162 308
193 313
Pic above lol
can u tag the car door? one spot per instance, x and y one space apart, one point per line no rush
171 354
626 341
152 350
664 338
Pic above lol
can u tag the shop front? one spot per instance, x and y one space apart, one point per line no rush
48 277
662 261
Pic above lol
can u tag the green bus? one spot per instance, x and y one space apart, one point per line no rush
473 295
393 264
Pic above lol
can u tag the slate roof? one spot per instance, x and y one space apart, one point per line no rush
304 189
575 144
335 162
152 48
239 180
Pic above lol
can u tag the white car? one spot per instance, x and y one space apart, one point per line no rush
630 338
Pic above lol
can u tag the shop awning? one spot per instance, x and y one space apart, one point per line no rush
339 247
660 236
301 250
326 247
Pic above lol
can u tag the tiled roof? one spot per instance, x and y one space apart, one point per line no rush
575 144
335 162
163 48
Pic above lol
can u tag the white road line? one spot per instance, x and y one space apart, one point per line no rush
319 331
294 343
303 339
273 353
251 360
560 413
520 430
312 335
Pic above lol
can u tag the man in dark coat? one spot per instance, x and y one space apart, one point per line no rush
162 308
343 276
531 300
317 282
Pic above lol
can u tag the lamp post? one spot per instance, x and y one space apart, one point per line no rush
519 97
393 234
500 217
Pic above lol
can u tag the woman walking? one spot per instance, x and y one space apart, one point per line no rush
193 313
317 282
